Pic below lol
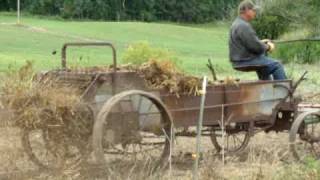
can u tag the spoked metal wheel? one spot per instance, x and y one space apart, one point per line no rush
54 148
307 126
133 130
234 140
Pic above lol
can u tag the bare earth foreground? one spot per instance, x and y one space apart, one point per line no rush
267 157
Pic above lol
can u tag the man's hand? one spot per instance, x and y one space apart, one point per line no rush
268 42
271 46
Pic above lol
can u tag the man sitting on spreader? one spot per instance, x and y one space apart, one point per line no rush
247 51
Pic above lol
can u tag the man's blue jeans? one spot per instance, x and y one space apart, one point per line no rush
272 67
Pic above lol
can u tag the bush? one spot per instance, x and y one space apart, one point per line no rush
276 17
270 26
299 52
141 52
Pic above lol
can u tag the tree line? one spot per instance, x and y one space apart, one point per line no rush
194 11
275 18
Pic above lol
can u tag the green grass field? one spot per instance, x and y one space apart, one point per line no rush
37 38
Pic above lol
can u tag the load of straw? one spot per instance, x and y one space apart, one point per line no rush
157 74
165 75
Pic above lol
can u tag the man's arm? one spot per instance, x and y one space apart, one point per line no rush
251 41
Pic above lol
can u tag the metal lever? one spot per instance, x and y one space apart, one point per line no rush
302 78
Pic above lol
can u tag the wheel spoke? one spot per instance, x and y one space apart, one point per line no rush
238 142
227 137
238 139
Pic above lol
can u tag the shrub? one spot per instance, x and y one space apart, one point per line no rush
141 52
299 52
276 16
270 26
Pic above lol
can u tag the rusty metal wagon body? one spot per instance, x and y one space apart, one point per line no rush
130 118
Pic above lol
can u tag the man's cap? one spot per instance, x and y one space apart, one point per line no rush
247 4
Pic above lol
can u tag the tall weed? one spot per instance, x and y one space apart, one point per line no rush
141 52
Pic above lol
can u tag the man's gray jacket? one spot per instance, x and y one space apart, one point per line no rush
244 44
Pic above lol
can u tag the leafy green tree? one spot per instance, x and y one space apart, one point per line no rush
194 11
44 7
4 5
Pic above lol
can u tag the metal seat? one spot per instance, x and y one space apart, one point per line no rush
249 68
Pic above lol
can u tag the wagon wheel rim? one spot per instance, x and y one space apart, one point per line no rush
304 136
233 142
50 154
101 151
46 159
